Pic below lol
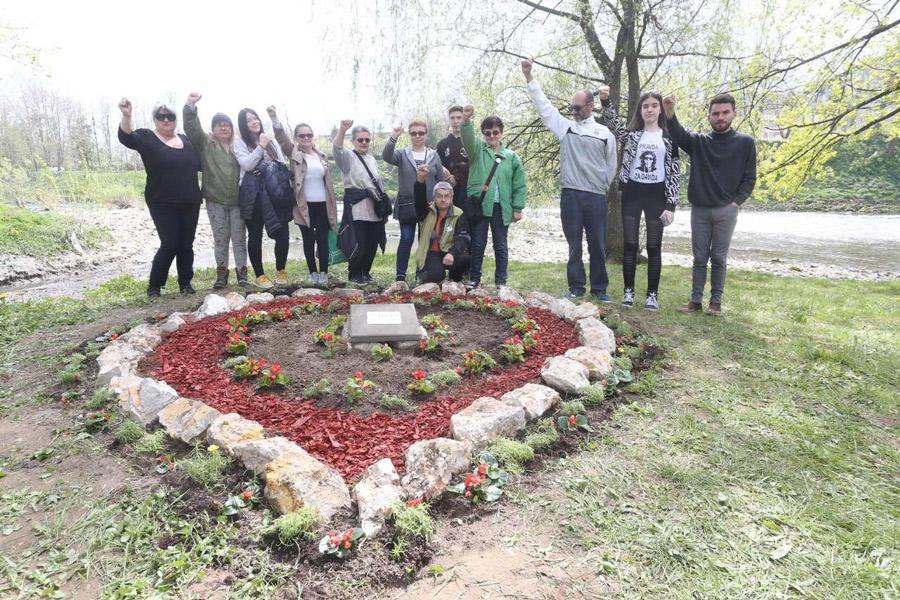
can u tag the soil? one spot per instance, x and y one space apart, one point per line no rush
291 344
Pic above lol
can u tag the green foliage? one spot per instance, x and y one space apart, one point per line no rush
392 402
412 522
511 454
571 407
100 398
293 526
129 432
381 353
318 389
205 466
446 377
151 443
592 395
543 434
24 231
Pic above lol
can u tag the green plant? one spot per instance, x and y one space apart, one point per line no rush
392 402
71 372
573 423
342 546
544 434
97 421
129 432
381 353
100 398
512 350
412 523
333 306
447 377
151 443
306 308
511 454
302 523
623 362
355 387
248 498
420 384
593 394
251 367
237 342
205 466
484 483
318 389
271 377
477 362
571 407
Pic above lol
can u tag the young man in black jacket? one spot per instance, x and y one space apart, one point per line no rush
454 158
723 174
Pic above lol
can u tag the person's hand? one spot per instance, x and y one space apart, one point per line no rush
194 98
517 216
271 111
526 69
468 112
448 260
667 217
735 204
263 140
451 180
125 107
669 105
603 92
422 172
346 124
398 131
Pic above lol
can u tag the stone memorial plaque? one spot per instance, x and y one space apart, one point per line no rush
383 323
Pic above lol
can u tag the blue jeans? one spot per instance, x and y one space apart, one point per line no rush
585 211
479 231
407 235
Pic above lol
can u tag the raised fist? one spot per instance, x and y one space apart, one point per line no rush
194 98
398 131
125 107
603 92
263 140
271 111
526 69
669 105
346 124
468 112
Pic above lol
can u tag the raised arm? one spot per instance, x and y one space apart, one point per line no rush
550 115
467 133
192 128
390 154
610 116
337 145
126 132
684 138
281 136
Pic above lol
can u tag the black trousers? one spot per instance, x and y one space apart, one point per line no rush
176 226
315 237
368 234
255 227
649 199
435 271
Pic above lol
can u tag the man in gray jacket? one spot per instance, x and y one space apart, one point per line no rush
587 165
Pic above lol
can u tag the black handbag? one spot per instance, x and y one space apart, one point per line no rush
473 208
346 237
383 208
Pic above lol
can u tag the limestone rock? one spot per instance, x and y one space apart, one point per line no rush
539 300
427 288
213 304
256 454
171 324
282 297
564 374
480 292
398 287
560 306
298 480
454 288
375 494
430 464
152 396
303 292
583 310
188 317
598 362
593 332
143 338
235 301
486 419
187 419
231 429
260 298
348 292
508 294
535 399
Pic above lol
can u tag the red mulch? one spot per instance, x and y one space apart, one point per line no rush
189 360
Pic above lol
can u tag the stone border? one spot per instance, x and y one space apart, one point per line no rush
293 477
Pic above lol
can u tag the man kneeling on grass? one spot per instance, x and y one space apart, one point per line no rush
443 233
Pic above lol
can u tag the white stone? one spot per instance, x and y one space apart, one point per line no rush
454 288
231 429
583 310
213 304
349 292
171 324
564 374
508 294
260 298
593 332
539 300
363 347
398 287
480 292
188 317
430 464
486 419
143 338
235 301
427 288
535 399
282 297
256 454
187 419
118 359
560 306
597 361
145 402
296 480
303 292
375 494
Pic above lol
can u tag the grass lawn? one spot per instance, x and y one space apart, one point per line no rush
759 461
42 234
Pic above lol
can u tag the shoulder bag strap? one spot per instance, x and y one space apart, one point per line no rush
487 182
371 177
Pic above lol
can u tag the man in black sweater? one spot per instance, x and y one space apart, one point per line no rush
454 158
723 174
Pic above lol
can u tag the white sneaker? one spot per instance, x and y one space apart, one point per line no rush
652 303
628 297
323 279
312 278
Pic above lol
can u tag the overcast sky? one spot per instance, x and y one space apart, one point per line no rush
236 54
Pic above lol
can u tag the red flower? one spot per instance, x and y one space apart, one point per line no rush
468 494
246 339
275 369
347 544
516 339
418 374
358 375
572 420
458 370
77 377
482 469
113 337
247 494
413 503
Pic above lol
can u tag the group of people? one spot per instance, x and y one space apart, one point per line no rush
451 196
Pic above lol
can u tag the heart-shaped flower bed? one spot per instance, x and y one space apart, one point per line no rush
191 360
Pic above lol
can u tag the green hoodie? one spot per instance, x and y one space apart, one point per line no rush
221 171
509 178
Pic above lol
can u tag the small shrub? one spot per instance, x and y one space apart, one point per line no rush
412 523
645 384
129 432
71 373
592 395
543 436
151 443
446 377
318 389
381 353
205 466
297 524
623 362
100 398
511 454
392 402
572 407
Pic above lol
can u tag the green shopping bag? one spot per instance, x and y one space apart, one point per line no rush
335 256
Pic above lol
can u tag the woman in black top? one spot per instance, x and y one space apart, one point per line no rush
172 192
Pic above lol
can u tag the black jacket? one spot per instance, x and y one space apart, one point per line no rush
253 193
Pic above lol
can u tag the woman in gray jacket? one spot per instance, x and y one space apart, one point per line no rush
406 161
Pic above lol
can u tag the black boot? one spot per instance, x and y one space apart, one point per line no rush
221 278
242 276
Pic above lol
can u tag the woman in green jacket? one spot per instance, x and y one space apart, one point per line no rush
221 173
499 203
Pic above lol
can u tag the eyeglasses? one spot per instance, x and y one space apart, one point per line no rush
222 125
305 136
492 133
363 140
417 133
576 107
165 117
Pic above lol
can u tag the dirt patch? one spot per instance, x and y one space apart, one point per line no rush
291 344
